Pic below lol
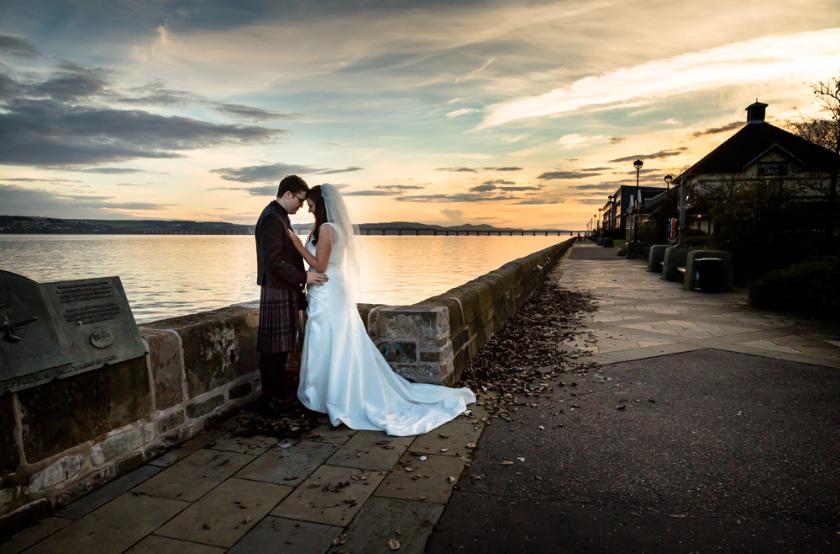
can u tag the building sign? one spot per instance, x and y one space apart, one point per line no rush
772 169
61 329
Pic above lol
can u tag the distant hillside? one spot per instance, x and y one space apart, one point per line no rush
13 224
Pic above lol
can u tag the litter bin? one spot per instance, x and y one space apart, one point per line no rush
709 274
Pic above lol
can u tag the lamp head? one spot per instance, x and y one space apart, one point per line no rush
638 164
669 179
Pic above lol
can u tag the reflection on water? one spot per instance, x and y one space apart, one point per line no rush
171 275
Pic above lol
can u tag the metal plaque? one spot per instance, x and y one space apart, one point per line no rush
59 329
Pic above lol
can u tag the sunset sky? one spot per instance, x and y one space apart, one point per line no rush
521 114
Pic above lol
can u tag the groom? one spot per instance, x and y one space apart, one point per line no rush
282 277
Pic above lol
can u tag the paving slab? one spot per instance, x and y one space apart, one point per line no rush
108 492
25 538
332 495
196 443
254 446
154 544
370 450
450 439
113 528
195 475
429 480
224 515
276 534
327 433
289 465
387 524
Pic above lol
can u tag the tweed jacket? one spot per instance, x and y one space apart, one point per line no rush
279 264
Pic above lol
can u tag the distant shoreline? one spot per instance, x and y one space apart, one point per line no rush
27 225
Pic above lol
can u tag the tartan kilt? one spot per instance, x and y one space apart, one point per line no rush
278 320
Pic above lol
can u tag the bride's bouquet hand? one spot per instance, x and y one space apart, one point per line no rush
296 241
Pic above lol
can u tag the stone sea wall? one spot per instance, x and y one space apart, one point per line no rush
62 439
433 341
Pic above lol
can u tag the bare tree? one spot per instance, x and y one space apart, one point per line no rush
822 131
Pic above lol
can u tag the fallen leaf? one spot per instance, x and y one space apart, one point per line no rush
341 539
507 463
451 479
393 544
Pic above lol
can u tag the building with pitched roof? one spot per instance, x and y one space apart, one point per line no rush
762 177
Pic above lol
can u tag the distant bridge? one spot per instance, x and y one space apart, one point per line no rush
399 231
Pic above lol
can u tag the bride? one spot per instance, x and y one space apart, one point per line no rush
342 372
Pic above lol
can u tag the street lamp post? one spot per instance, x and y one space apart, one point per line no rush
668 180
638 165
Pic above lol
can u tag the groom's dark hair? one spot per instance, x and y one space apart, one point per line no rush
293 184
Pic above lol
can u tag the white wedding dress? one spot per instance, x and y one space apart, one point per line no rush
344 375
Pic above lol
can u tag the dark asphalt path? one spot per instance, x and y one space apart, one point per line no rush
712 451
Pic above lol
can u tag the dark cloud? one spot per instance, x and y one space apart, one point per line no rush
252 113
17 200
522 188
566 175
617 140
537 201
596 201
273 172
460 169
50 133
344 170
368 193
485 187
16 46
157 93
655 156
399 188
459 197
261 173
599 186
457 169
33 180
595 168
71 82
721 129
109 170
499 182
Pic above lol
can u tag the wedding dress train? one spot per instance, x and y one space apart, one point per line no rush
344 375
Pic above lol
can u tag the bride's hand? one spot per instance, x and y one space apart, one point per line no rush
295 240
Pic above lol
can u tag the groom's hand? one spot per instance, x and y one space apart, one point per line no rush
314 278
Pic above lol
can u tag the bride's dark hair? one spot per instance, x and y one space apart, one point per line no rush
317 196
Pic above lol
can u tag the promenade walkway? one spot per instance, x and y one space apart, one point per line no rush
703 426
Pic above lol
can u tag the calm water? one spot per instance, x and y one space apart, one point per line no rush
171 275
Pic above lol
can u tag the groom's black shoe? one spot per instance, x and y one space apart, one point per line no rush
270 408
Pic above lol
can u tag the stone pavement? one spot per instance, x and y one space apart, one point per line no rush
658 450
335 490
639 316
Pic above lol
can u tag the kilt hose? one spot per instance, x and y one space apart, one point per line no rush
279 341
